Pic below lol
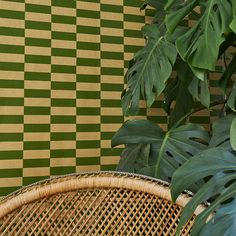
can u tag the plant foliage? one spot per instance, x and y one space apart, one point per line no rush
218 165
151 68
186 154
161 153
206 36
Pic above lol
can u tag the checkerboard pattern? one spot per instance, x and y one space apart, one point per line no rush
62 65
61 74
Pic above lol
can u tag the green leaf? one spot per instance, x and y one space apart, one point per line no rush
209 189
211 162
174 17
152 66
223 222
200 90
204 164
178 145
199 73
138 158
233 134
167 151
221 133
170 3
200 222
232 98
233 22
220 166
137 131
200 45
177 90
131 154
227 75
140 137
180 30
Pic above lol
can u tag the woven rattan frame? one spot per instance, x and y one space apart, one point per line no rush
103 203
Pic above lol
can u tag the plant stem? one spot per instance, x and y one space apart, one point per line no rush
223 101
160 155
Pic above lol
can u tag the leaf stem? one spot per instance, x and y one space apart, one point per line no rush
160 155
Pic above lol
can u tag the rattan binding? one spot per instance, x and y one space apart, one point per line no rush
103 203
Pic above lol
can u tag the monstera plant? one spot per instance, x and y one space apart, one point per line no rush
190 46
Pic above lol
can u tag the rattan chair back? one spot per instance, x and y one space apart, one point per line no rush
103 203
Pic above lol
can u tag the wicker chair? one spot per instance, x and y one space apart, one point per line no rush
103 203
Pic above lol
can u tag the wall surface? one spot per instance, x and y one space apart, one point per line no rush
62 65
61 74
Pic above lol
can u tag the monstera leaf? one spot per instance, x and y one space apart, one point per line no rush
134 157
199 46
218 165
149 70
177 91
221 133
138 158
175 16
200 90
170 3
167 151
225 216
233 22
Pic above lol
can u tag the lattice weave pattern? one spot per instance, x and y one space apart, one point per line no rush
94 210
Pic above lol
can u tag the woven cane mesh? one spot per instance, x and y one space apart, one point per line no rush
94 211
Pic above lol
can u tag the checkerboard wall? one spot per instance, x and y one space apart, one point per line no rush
62 65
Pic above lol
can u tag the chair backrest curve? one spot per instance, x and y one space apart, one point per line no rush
105 203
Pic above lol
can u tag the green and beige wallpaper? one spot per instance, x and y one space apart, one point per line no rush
62 65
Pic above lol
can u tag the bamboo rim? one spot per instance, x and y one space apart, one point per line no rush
91 180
